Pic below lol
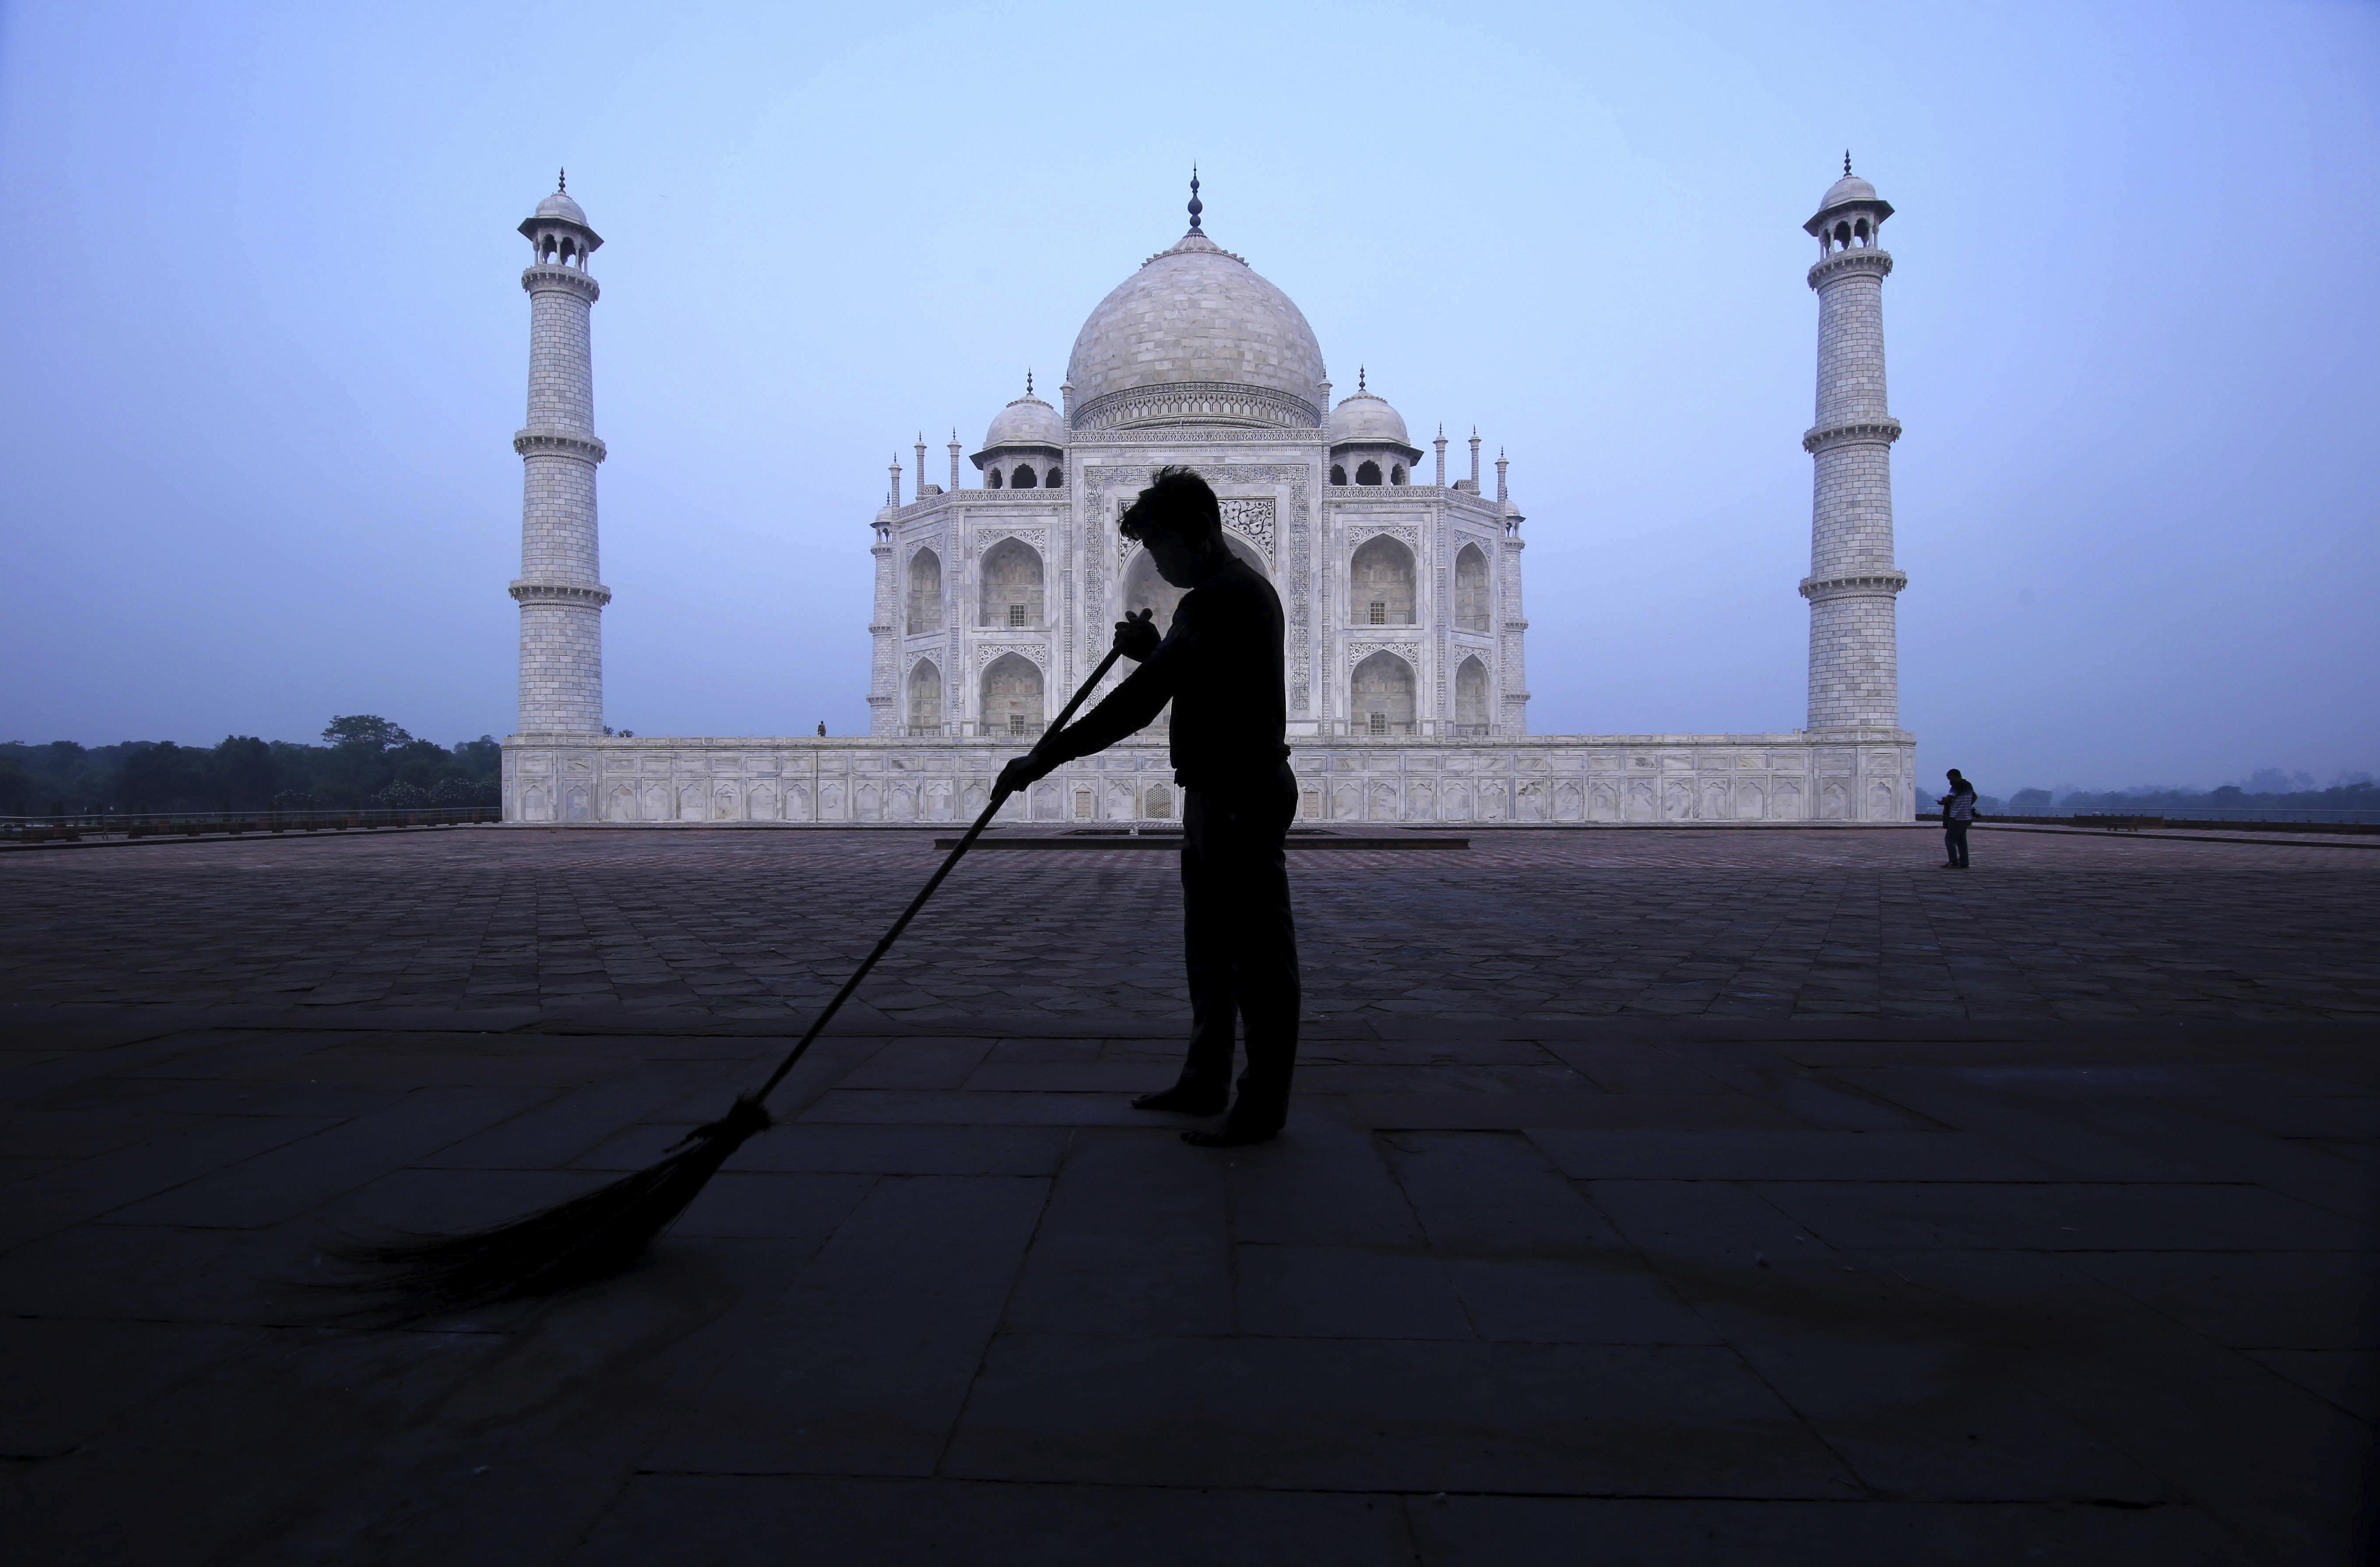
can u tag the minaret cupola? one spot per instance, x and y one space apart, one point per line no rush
1367 440
1849 215
1025 447
557 231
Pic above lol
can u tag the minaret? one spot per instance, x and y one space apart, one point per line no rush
954 460
559 590
885 626
1441 444
1475 459
1512 621
1854 637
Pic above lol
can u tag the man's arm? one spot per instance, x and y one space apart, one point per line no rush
1124 711
1127 710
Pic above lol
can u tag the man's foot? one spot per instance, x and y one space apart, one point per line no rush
1228 1137
1947 865
1184 1098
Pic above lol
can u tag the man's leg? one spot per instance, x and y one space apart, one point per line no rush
1959 845
1205 1082
1949 842
1264 952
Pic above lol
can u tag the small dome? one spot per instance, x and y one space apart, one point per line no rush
1850 188
1029 421
560 205
1367 417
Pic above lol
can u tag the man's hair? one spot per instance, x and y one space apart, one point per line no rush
1177 501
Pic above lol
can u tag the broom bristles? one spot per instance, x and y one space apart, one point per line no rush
591 1236
598 1234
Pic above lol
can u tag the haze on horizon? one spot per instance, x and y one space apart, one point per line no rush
267 346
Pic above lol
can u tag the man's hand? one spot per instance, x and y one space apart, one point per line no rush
1137 636
1025 770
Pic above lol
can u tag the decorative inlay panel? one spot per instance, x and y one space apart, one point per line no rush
988 653
1250 517
987 537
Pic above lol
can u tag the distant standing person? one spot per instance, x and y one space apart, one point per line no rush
1957 812
821 729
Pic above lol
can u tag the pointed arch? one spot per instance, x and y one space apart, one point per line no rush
1367 472
1010 582
1011 696
1471 696
1382 582
1381 696
925 698
1471 589
925 608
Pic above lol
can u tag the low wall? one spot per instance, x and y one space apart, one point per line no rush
1853 776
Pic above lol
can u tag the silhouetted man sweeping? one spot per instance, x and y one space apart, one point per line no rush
1219 664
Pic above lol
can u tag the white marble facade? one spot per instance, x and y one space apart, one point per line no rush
1544 778
1407 692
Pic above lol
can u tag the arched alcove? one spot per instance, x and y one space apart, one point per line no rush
1012 697
1367 472
1338 473
1381 696
992 479
1471 589
1056 479
1011 580
1396 473
925 698
1381 583
1471 696
925 592
1144 590
1023 478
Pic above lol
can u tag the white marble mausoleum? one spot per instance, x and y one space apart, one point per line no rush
996 592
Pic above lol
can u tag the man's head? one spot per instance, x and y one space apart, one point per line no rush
1954 777
1178 520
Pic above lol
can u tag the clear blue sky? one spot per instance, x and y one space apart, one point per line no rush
265 346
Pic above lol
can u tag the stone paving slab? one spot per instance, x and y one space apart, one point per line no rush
1766 925
2086 1279
1374 1338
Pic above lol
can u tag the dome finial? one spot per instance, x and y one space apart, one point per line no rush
1847 163
1360 387
561 182
1196 206
1029 384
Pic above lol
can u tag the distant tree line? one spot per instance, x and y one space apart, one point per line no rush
364 760
2267 789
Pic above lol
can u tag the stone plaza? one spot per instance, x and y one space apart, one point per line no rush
1686 1196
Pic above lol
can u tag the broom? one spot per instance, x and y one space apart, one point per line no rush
598 1234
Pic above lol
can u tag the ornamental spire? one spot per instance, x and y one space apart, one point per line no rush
1847 163
1196 206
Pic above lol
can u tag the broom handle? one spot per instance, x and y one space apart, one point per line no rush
998 799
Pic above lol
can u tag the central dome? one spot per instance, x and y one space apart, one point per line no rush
1195 336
